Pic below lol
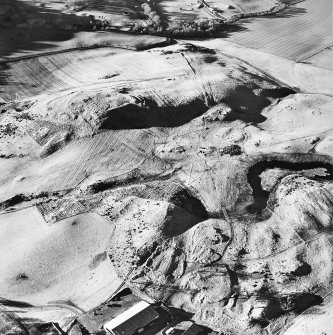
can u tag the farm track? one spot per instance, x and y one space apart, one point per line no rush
57 52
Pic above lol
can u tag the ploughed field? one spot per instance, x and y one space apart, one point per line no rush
186 173
296 33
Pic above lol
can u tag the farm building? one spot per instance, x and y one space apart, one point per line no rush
137 317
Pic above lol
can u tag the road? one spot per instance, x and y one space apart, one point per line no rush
209 10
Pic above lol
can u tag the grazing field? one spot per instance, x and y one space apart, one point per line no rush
42 264
296 33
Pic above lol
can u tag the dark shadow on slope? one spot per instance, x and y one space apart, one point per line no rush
298 303
40 327
260 195
185 212
306 300
30 27
21 34
14 303
180 314
190 204
132 116
178 221
303 270
248 106
123 293
278 305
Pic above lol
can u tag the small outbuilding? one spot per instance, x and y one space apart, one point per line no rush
133 320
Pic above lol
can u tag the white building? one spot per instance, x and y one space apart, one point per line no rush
131 321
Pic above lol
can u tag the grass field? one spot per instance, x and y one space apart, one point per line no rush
66 261
296 33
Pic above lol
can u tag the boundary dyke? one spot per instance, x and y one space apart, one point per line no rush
79 48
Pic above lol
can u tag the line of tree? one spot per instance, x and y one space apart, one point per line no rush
194 28
154 23
151 14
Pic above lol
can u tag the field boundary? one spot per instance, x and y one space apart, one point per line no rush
50 53
88 47
314 53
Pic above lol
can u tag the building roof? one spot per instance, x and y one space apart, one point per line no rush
131 320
